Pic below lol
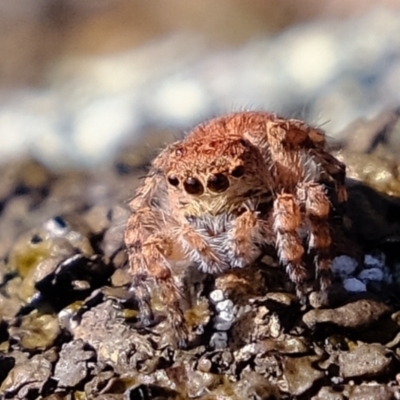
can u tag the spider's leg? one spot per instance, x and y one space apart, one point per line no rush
148 255
336 172
140 289
317 208
287 220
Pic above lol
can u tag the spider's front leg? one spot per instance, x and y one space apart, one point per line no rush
287 219
317 207
148 254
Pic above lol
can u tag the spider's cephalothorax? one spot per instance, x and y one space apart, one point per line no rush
233 185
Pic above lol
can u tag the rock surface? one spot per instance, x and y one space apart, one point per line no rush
70 329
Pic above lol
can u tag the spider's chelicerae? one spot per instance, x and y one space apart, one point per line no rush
232 186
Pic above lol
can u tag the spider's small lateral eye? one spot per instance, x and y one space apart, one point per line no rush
238 171
218 183
173 180
193 186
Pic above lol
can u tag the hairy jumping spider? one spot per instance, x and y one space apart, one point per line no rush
232 186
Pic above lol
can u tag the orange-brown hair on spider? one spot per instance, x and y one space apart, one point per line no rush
232 186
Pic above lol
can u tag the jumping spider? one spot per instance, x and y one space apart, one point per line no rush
232 186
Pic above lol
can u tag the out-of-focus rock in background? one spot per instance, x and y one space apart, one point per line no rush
78 79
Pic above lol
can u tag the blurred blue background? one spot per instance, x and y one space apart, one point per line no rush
81 79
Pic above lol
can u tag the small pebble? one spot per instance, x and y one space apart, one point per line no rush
204 365
217 296
318 299
299 374
351 315
337 380
283 298
365 360
219 340
371 274
354 285
65 318
80 285
343 266
376 261
226 316
222 325
275 327
226 305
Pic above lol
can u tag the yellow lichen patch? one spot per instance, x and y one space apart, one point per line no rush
380 173
26 255
129 313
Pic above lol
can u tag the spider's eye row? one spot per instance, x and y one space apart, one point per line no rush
173 180
238 171
193 186
218 183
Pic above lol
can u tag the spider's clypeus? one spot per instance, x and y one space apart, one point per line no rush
232 186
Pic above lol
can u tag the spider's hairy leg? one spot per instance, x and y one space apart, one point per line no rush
139 287
337 172
154 181
169 292
134 236
243 239
148 255
287 220
317 208
293 134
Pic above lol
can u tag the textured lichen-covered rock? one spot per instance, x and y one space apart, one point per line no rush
69 325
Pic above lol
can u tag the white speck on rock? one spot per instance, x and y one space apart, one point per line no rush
344 266
354 285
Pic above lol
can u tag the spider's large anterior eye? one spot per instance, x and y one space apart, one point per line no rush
238 171
218 183
193 186
173 180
